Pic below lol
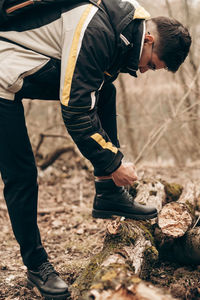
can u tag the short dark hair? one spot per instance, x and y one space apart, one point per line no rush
174 42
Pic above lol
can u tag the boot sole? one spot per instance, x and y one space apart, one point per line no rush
31 285
109 214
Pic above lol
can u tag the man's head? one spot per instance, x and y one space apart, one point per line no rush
166 45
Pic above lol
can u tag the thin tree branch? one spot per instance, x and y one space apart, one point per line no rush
188 92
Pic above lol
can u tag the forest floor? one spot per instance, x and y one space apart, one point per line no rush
71 236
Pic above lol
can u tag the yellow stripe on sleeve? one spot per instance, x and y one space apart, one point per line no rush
105 145
73 56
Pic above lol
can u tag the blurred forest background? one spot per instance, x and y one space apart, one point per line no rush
158 120
158 112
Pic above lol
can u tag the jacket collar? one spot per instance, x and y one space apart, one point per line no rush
137 31
122 12
127 18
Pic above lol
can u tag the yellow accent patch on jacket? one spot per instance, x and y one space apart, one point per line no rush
141 13
108 74
105 145
73 56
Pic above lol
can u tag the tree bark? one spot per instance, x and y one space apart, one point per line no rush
138 290
128 251
184 250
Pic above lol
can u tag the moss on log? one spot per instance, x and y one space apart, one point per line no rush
173 191
128 251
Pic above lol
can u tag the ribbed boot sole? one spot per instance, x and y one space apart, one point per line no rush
31 285
109 214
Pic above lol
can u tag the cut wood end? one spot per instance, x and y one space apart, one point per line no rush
174 219
113 227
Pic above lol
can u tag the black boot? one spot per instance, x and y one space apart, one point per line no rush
113 200
48 282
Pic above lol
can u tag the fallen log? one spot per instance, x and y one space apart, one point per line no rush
184 250
176 239
173 191
131 247
187 248
138 290
128 251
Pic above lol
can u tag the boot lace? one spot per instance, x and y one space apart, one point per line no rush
46 269
129 197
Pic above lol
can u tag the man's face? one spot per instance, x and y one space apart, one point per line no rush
149 59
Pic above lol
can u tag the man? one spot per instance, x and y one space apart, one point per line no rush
75 55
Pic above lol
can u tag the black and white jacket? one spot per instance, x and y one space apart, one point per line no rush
90 46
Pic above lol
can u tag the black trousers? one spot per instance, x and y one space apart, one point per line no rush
19 172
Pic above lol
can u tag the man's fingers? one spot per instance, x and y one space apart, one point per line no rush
121 182
125 174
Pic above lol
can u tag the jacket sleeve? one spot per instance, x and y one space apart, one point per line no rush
79 98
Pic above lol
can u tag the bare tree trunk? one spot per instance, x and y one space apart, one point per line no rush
193 109
129 128
169 8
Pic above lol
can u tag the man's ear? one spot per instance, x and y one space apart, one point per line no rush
149 38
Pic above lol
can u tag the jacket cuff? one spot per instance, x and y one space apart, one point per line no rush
116 163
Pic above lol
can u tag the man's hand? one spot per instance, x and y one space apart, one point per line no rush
125 174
